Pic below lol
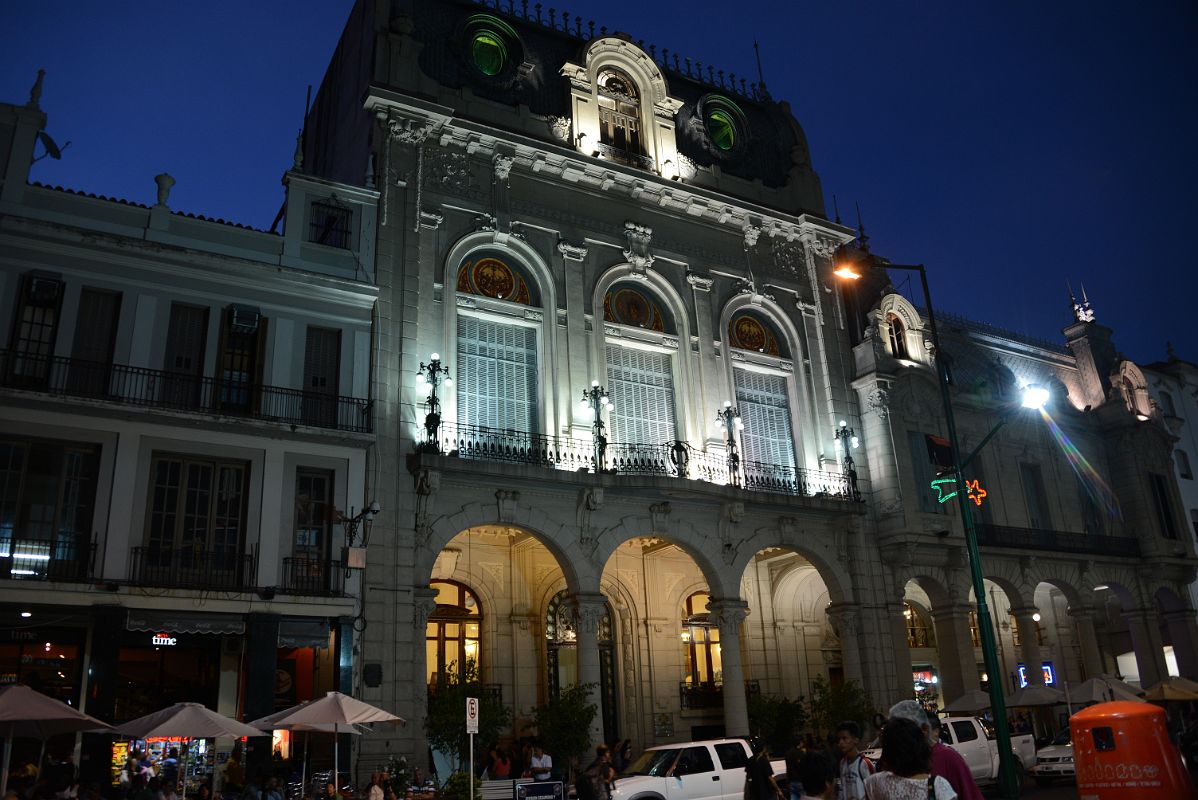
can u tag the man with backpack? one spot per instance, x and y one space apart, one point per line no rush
854 767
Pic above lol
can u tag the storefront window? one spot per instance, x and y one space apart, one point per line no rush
152 676
46 660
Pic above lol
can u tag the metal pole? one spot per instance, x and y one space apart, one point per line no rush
1006 758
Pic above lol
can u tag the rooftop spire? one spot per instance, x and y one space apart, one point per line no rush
760 75
861 237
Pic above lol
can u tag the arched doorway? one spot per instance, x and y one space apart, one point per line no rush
451 636
561 658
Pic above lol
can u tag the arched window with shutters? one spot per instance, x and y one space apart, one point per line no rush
898 336
640 376
451 636
497 347
762 392
619 113
700 643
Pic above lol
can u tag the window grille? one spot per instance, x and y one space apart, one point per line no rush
329 224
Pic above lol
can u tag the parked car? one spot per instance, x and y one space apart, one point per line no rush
974 738
1055 760
707 770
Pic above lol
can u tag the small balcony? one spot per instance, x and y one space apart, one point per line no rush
697 696
175 391
1058 541
670 460
626 157
68 557
312 577
192 568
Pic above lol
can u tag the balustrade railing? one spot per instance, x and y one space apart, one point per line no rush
1060 541
138 386
190 568
312 577
669 459
709 694
66 557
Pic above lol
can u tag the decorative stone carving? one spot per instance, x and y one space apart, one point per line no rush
449 171
424 603
686 167
484 221
503 166
589 611
559 127
728 615
430 220
878 401
730 516
639 238
407 130
506 501
589 500
427 482
788 257
659 515
533 315
572 252
752 233
699 283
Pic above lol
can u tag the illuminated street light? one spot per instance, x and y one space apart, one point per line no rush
432 375
1035 396
595 399
1007 781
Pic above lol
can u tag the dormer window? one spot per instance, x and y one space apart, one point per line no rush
898 337
619 112
329 224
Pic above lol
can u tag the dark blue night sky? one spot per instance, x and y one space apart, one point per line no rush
1010 146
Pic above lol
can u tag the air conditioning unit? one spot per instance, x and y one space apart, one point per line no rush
244 319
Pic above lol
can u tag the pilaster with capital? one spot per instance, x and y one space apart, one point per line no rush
1087 640
574 258
729 615
589 610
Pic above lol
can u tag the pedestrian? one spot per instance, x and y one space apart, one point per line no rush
854 767
501 764
759 777
794 760
817 774
946 762
594 782
540 765
906 766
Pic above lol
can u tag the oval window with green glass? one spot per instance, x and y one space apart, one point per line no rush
722 129
489 52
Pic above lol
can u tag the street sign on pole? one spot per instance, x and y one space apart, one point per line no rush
471 715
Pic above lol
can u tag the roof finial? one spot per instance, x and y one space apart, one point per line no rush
836 208
1082 311
760 76
861 228
35 93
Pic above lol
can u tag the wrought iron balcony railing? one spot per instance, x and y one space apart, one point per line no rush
1059 541
709 694
312 577
152 388
671 459
622 156
67 557
191 568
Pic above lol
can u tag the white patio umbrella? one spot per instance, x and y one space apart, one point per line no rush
271 723
25 713
974 700
1175 689
186 720
1033 695
1102 690
339 710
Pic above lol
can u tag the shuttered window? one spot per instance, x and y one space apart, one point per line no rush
497 374
641 387
764 410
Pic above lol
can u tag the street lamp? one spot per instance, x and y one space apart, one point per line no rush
728 420
849 442
433 374
1006 759
595 399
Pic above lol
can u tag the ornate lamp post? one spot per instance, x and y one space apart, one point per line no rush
432 374
595 399
849 442
998 705
728 420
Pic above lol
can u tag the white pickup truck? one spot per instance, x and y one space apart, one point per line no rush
708 770
974 739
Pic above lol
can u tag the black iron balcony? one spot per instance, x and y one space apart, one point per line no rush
709 694
670 459
312 577
192 568
68 557
1058 541
152 388
621 156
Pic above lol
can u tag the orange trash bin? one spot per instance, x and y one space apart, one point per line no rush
1121 751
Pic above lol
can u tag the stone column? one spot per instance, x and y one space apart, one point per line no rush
958 668
261 663
590 609
1087 640
728 615
1029 645
847 619
1183 631
424 603
1146 641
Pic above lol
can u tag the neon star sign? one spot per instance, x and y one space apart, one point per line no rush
946 489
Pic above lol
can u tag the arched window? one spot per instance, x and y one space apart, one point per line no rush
451 636
762 395
561 651
497 368
917 627
640 380
898 336
619 112
700 644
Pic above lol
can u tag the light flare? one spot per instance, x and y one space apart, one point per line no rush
1091 481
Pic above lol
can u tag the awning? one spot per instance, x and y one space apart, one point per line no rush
182 622
304 633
